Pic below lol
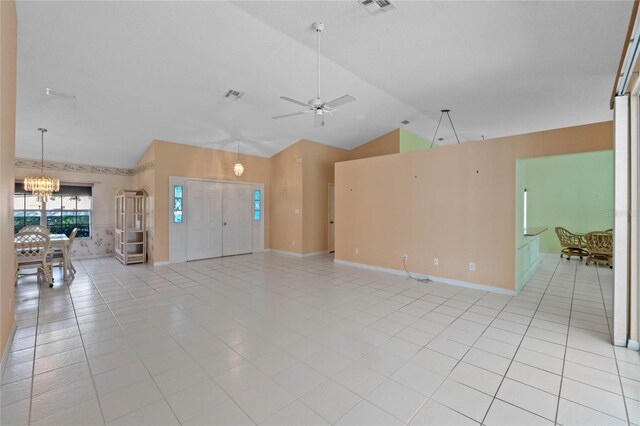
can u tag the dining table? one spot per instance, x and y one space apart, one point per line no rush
62 242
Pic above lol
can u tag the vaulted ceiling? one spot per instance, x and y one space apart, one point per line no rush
159 70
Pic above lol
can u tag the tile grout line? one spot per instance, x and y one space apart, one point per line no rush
486 413
35 345
84 349
615 357
566 344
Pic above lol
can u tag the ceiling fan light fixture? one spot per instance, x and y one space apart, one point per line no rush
317 106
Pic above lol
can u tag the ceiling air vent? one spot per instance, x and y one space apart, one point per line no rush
376 6
233 94
405 122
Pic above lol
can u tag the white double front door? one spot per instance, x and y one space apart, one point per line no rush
219 219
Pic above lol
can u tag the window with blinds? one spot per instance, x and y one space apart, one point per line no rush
67 209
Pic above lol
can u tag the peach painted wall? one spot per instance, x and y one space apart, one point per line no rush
317 172
387 144
8 49
456 203
172 159
286 199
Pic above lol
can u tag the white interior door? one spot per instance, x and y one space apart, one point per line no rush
204 220
237 211
332 218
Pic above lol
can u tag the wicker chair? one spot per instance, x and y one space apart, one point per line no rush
33 251
572 244
34 228
600 247
58 255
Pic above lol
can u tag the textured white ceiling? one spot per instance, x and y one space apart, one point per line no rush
158 70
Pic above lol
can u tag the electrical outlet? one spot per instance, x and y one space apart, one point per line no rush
357 250
436 261
472 266
293 243
405 257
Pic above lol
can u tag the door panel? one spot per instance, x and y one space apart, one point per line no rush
237 210
204 220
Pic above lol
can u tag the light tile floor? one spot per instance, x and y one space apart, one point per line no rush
268 339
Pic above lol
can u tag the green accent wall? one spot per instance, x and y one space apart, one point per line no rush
574 191
409 141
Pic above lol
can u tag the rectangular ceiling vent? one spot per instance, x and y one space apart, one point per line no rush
376 6
405 122
233 94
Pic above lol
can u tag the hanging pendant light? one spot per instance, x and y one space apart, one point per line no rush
238 168
42 186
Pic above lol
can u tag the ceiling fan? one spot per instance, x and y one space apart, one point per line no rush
317 106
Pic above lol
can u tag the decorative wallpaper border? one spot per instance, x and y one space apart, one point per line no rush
81 168
143 168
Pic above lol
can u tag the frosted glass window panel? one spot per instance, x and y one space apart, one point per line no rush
31 202
18 202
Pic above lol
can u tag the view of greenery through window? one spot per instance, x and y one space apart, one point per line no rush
63 213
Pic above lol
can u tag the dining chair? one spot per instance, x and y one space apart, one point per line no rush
572 244
33 251
58 254
35 228
600 247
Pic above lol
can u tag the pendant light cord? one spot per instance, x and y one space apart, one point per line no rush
442 113
453 127
436 133
42 150
318 61
238 150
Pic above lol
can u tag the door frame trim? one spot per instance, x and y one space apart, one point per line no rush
329 217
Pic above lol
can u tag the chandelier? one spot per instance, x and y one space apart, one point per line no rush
42 187
238 168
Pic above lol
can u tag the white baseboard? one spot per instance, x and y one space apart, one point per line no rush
285 253
633 345
290 253
100 256
314 253
5 353
443 280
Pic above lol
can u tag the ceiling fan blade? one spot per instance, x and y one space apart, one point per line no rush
288 99
340 101
289 115
318 120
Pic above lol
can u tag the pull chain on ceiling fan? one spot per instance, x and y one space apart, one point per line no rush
317 106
